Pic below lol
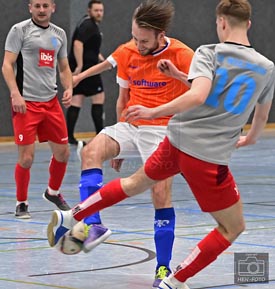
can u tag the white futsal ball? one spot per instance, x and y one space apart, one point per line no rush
71 242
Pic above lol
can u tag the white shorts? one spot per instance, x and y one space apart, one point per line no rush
135 141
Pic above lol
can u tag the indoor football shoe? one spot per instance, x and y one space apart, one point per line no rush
96 234
21 211
161 273
172 283
58 200
60 223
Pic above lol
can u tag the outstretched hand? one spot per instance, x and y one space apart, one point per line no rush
136 112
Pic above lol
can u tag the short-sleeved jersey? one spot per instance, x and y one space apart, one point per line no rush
88 33
38 50
147 85
241 78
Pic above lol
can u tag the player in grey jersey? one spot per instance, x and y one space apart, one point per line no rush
229 80
33 50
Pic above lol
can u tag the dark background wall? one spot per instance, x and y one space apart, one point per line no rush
194 24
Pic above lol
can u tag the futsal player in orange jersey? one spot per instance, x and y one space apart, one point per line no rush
140 82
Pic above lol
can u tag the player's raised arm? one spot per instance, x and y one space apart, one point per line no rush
93 70
192 98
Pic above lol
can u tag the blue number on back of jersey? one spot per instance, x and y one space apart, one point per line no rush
231 103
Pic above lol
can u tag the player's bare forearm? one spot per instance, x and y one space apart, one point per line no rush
78 54
94 70
17 101
258 124
9 76
122 100
192 98
65 74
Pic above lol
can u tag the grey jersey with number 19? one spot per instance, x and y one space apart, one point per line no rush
241 77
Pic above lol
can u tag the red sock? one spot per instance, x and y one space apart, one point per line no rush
22 179
205 253
107 196
57 171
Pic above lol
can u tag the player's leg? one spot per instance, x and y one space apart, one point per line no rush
164 221
24 126
97 110
230 225
91 158
108 144
164 227
216 193
57 170
95 152
99 149
72 116
53 129
22 179
110 194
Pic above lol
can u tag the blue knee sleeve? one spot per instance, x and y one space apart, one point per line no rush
90 182
164 227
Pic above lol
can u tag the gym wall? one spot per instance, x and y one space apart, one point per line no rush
194 24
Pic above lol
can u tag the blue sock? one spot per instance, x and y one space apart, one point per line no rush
90 182
164 226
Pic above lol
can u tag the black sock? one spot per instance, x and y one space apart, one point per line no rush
97 116
71 118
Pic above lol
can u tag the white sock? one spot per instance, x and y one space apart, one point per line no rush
53 192
18 203
68 219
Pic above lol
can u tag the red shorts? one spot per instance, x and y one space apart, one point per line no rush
42 119
212 185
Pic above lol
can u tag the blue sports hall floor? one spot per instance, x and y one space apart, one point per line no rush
127 259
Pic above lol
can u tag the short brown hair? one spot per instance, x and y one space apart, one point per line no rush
154 14
90 4
30 1
239 9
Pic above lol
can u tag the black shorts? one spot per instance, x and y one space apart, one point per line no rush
89 86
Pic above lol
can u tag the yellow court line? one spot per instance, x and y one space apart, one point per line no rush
270 127
36 283
78 135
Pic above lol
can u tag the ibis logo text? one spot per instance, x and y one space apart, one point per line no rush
46 58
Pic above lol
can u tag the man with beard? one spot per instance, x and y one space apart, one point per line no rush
84 53
34 49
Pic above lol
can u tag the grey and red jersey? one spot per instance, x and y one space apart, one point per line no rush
241 78
38 50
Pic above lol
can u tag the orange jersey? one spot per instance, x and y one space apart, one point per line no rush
147 85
